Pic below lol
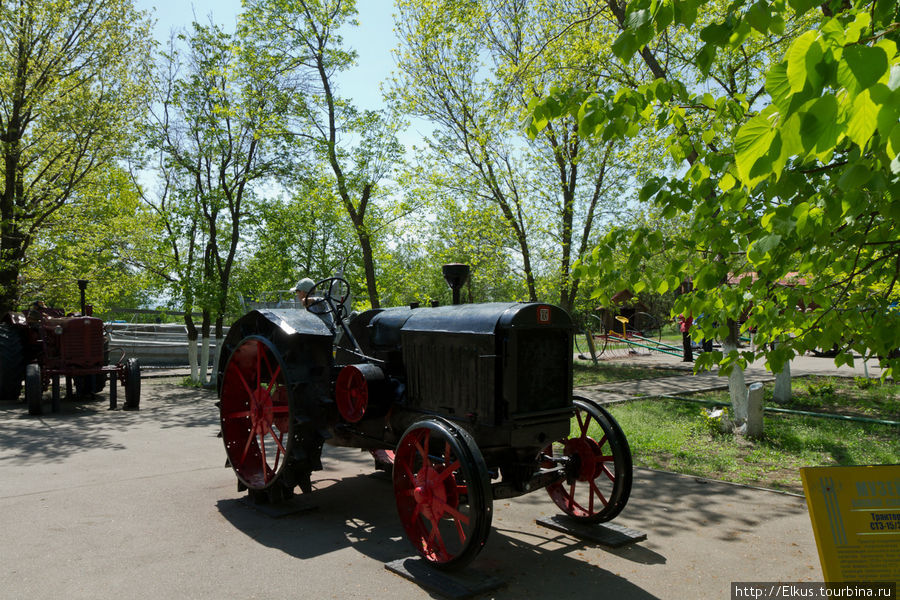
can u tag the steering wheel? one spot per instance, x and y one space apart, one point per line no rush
333 304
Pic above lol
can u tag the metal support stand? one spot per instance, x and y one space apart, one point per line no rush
608 535
113 380
291 506
54 393
462 584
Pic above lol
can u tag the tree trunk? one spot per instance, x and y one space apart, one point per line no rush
737 387
217 356
782 392
192 344
204 347
369 266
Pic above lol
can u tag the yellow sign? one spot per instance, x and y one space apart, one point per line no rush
855 514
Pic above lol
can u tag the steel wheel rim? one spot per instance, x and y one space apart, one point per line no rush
438 499
602 481
255 413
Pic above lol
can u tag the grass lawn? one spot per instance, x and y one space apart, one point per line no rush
677 436
586 373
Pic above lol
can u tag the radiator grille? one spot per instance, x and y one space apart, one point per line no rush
82 343
452 373
542 370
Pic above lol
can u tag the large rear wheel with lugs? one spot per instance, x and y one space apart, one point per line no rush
257 424
12 370
599 474
34 389
443 493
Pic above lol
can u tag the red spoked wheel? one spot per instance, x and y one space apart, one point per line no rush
255 413
443 495
599 478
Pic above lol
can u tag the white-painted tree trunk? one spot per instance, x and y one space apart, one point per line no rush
782 393
216 357
192 360
737 388
204 360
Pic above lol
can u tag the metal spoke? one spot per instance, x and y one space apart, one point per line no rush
447 472
446 508
280 451
595 489
250 438
262 451
237 414
244 381
609 474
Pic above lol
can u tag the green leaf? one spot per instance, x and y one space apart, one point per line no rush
854 177
705 57
753 141
854 30
802 6
650 188
638 18
625 46
800 215
665 14
778 86
893 145
759 17
818 127
863 119
727 182
802 58
888 111
762 247
716 33
685 12
861 67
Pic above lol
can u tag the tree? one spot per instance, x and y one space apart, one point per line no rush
304 235
792 190
218 133
305 55
73 77
456 229
471 69
101 235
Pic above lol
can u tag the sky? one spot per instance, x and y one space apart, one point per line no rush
373 39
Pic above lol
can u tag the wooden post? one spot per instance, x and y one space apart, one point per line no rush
755 410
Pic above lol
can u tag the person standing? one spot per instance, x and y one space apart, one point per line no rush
685 327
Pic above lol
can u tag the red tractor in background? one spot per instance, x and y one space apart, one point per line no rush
40 345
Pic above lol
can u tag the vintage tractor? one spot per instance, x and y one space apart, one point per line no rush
41 345
472 402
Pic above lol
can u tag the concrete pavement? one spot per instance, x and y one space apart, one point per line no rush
99 504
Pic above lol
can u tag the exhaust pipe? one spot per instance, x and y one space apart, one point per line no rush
82 286
456 275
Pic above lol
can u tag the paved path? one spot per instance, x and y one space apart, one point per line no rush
99 504
682 380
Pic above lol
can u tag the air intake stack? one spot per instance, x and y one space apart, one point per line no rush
456 275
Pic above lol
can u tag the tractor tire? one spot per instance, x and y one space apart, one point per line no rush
33 389
132 385
12 369
88 385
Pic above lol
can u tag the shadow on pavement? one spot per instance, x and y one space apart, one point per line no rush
83 425
358 512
